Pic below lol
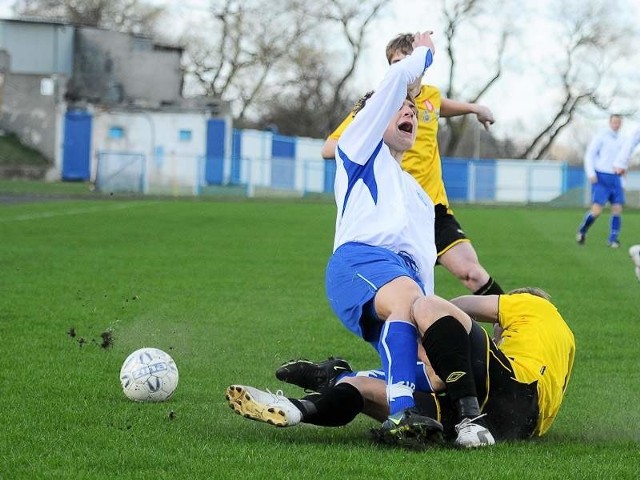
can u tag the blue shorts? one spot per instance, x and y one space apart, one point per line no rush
608 188
354 274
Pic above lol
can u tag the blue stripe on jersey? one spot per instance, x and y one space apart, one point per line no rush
356 171
428 59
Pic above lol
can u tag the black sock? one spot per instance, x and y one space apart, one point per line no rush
489 288
449 350
333 407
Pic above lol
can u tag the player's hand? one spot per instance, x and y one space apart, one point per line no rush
593 179
497 333
619 171
485 116
424 40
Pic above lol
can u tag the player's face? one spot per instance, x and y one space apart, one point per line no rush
615 123
401 131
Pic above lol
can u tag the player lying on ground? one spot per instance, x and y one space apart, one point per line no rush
520 381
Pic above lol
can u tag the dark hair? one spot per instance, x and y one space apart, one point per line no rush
362 101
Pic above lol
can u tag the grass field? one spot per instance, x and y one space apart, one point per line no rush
231 290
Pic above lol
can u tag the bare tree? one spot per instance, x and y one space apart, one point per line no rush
594 41
235 57
133 16
273 59
461 16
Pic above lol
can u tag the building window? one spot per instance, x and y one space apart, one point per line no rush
116 133
184 135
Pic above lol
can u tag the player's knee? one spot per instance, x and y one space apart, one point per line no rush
426 310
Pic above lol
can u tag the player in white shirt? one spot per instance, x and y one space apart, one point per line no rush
384 249
604 170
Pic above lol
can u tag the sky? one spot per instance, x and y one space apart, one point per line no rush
516 101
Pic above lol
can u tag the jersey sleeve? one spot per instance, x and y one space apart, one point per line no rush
629 145
590 156
364 135
335 135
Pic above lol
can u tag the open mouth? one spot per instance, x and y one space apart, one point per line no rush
406 127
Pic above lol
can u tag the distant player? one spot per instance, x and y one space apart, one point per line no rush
605 162
422 161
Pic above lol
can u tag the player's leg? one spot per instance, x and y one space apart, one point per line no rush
371 290
445 336
617 201
457 255
462 261
615 224
335 406
397 345
599 196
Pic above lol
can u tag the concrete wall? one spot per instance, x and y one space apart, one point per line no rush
38 48
168 160
29 113
113 67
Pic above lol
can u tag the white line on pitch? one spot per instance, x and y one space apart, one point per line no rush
74 211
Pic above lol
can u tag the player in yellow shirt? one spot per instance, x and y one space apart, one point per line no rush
509 389
422 161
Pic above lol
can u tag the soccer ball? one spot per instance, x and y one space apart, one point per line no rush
634 252
149 375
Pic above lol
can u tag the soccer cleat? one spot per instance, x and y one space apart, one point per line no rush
472 434
313 376
272 408
614 244
580 238
411 430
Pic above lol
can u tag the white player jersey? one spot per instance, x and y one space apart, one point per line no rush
602 152
378 203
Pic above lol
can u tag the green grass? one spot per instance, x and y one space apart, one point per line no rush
36 187
13 152
231 290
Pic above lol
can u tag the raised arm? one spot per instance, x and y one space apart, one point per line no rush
364 135
453 108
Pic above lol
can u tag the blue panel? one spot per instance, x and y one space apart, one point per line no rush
329 175
214 163
236 156
455 174
283 154
76 152
575 177
485 187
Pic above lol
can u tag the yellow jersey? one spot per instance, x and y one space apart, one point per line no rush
422 160
541 348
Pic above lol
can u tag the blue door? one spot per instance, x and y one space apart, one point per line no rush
214 168
76 151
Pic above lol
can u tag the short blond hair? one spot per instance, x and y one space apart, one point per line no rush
402 43
538 292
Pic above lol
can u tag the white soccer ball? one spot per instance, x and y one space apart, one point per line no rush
149 375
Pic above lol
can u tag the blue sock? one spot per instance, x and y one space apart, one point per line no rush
614 225
423 384
398 349
586 222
